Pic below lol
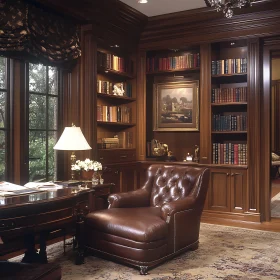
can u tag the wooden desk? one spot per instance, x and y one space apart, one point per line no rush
25 216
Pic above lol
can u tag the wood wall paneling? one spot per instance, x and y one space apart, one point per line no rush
87 90
141 106
205 104
180 142
254 121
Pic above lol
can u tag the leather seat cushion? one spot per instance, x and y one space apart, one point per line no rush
139 224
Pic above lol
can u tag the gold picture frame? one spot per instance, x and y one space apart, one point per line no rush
176 106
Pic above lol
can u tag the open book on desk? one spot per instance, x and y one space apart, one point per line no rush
8 189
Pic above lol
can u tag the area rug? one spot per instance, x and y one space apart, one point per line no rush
227 253
275 206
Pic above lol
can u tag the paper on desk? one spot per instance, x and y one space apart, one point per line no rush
42 185
7 189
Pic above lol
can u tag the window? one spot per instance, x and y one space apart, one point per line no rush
3 115
43 118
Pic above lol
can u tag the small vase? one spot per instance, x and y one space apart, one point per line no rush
86 175
95 178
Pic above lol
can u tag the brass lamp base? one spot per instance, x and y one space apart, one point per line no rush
73 161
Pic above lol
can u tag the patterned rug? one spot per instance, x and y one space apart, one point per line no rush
227 253
275 206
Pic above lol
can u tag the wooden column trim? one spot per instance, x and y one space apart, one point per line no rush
87 90
205 104
253 131
141 106
270 44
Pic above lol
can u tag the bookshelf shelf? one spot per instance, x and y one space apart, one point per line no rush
229 132
117 149
116 97
196 69
115 123
229 104
114 73
230 75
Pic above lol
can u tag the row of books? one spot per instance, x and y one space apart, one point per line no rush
189 60
229 153
223 95
114 62
110 143
122 140
230 122
114 113
107 87
229 66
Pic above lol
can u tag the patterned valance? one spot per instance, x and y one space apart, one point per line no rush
27 30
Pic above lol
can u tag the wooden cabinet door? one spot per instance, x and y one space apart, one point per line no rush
238 183
123 175
219 190
112 175
128 177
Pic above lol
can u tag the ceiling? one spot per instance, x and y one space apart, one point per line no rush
160 7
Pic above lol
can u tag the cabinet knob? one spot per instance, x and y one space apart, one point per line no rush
117 172
227 174
101 158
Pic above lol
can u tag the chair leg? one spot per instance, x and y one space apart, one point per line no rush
143 270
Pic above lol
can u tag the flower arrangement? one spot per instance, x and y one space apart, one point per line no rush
86 165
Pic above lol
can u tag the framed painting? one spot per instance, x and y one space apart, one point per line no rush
176 106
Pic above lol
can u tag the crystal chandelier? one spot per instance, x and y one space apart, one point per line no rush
227 5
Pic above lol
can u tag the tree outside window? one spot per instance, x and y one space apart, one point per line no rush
43 116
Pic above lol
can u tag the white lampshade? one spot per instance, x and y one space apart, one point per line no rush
72 139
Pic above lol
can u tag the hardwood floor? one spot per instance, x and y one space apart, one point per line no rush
275 189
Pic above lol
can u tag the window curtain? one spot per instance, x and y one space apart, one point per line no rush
30 32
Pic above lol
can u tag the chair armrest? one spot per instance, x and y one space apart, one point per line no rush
137 198
170 208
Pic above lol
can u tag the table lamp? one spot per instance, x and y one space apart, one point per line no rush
72 139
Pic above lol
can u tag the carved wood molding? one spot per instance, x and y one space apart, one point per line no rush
204 25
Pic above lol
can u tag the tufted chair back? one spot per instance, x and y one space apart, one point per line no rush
171 183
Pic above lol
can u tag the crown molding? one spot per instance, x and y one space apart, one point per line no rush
206 25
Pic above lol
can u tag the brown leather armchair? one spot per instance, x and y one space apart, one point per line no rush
150 225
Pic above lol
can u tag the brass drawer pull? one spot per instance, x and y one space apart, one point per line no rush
123 156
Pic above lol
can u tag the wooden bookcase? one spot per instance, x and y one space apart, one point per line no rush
229 106
229 103
116 105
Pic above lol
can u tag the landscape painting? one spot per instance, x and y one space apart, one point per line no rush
176 106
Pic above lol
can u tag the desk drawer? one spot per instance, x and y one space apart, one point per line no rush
116 155
16 223
101 191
